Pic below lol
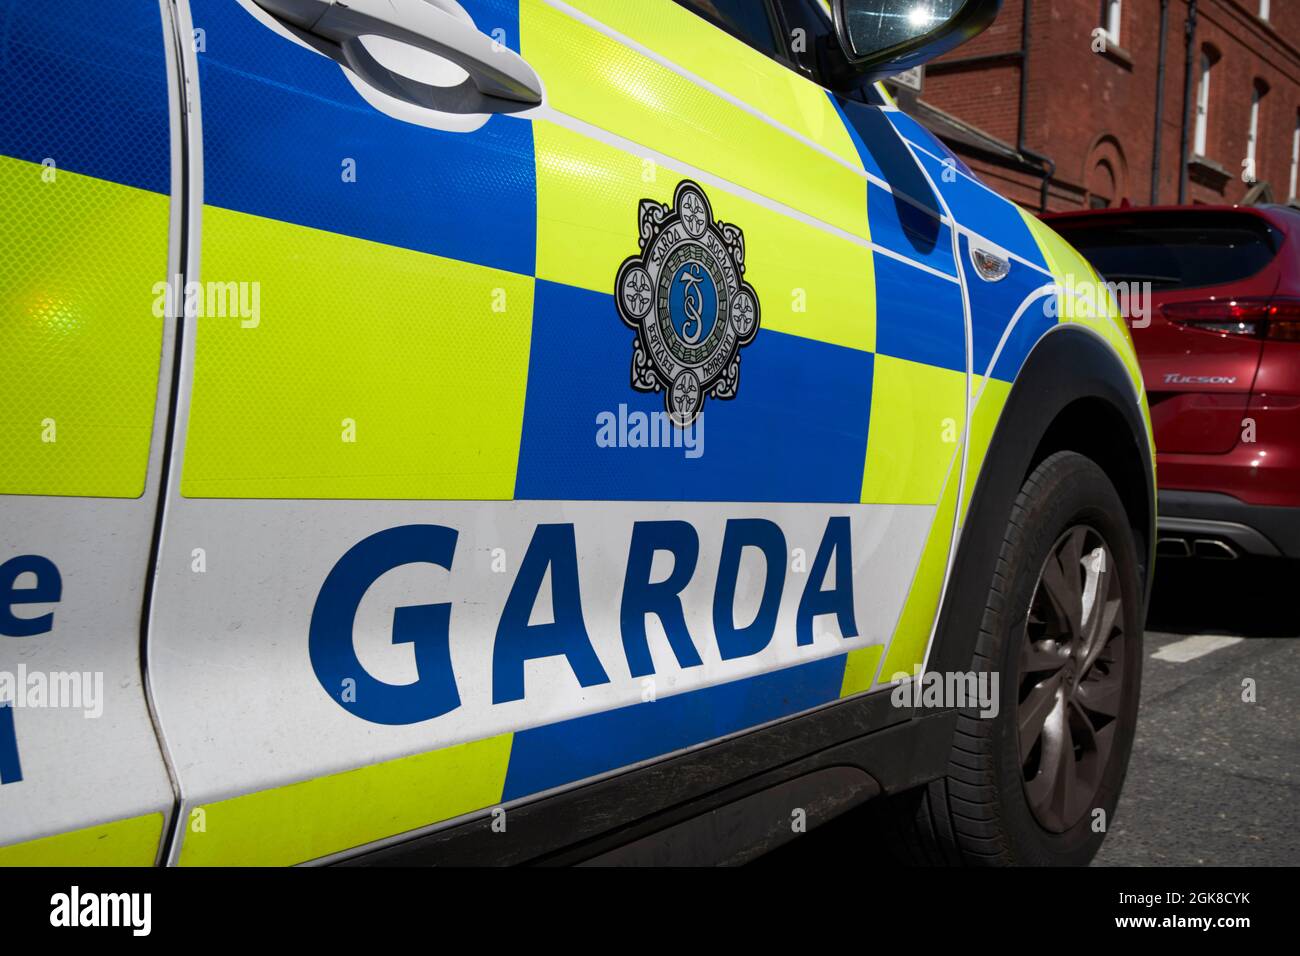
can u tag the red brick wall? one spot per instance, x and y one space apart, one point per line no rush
1087 110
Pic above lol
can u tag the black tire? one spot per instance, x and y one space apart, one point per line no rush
981 813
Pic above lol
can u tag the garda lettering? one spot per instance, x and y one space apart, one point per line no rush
553 553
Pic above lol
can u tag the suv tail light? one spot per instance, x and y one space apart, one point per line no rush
1254 318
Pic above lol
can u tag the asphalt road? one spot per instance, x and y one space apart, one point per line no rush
1214 780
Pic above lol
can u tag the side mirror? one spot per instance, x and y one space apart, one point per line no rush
882 37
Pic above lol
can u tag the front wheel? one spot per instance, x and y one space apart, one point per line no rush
1037 784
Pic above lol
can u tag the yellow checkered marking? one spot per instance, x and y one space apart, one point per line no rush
990 397
1096 311
692 43
422 360
594 78
918 413
912 633
860 670
308 820
79 343
131 842
1071 269
811 282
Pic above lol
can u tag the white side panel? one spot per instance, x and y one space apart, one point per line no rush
97 758
79 769
243 709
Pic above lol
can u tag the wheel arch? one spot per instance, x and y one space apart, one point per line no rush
1089 426
1073 393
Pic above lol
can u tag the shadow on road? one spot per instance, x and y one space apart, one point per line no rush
1253 597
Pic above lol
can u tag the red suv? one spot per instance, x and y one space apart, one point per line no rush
1221 360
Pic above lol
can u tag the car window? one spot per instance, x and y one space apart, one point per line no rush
1174 252
809 27
815 50
746 20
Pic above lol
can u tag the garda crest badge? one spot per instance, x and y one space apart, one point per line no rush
686 297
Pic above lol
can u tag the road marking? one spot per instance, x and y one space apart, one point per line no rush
1190 648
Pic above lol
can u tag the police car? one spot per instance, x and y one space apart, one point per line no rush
581 430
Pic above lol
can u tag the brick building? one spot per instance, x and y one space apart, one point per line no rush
1063 104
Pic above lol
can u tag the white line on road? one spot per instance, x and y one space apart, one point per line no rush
1190 648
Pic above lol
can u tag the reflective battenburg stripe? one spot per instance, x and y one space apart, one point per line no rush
650 104
131 842
547 757
287 137
314 818
742 75
330 814
797 432
917 418
813 282
369 372
86 96
84 157
80 342
919 316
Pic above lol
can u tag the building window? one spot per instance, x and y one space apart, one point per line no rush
1112 15
1252 135
1295 159
1208 59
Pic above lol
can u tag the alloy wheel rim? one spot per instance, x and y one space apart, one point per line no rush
1071 680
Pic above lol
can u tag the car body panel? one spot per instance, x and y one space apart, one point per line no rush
87 223
1224 406
392 584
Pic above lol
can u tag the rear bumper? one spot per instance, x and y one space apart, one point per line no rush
1207 516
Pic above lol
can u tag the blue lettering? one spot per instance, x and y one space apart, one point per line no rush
552 553
333 656
744 533
640 597
839 599
11 771
48 589
553 546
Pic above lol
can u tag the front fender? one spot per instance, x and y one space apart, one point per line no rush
1072 393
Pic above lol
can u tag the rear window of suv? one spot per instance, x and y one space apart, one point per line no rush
1174 251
